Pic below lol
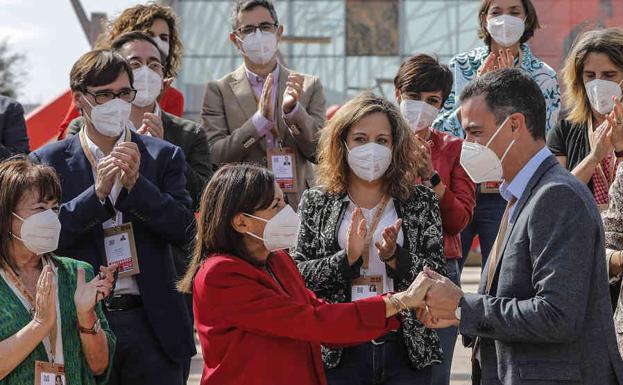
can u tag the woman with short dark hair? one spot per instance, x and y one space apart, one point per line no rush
256 320
421 86
50 318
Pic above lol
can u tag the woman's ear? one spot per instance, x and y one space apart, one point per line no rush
240 223
397 94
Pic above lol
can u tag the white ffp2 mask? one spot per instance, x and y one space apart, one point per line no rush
281 231
259 47
369 161
419 114
506 30
600 93
110 118
481 163
148 84
40 232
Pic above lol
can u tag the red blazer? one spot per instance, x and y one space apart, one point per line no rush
252 331
457 204
172 101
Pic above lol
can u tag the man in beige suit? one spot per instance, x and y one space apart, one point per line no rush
263 112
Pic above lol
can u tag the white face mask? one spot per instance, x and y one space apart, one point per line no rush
481 163
259 47
600 93
281 231
370 161
163 46
419 114
148 84
40 232
110 118
506 30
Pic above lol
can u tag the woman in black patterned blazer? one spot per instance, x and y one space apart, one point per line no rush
370 228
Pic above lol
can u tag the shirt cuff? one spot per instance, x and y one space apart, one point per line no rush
609 253
291 114
261 124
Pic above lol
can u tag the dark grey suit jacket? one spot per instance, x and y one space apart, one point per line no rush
548 318
13 137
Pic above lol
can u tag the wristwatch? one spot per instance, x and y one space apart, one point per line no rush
457 312
96 328
435 179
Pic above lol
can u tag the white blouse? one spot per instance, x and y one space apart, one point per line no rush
388 218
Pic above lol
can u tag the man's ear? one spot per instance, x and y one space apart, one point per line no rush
518 120
78 99
279 33
234 39
240 223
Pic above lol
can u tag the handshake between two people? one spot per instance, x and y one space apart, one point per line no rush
435 299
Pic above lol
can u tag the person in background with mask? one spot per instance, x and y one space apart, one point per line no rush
263 110
505 27
541 315
51 320
159 22
370 223
589 141
421 86
252 308
125 201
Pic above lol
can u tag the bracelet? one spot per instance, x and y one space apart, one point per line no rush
398 304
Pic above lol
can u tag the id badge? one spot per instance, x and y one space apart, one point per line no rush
282 162
366 287
121 249
47 373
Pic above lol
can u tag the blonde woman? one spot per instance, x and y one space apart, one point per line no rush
589 142
370 229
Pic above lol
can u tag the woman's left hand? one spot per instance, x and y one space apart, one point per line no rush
615 118
387 246
89 293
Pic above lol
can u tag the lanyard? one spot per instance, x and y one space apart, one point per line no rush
91 158
373 225
21 287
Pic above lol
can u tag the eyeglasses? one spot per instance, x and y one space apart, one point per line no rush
264 27
154 66
101 97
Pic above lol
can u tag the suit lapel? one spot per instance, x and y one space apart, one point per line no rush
241 88
547 164
78 164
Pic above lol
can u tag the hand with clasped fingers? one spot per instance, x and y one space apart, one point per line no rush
442 300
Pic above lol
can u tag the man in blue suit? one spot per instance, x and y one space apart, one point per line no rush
125 201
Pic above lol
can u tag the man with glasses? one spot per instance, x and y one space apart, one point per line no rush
262 110
125 201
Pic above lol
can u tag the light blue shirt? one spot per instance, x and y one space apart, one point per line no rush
518 185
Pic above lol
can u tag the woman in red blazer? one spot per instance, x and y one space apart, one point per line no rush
256 320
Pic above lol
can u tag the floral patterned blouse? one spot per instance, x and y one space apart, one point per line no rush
325 268
464 67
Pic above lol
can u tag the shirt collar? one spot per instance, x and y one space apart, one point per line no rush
518 185
257 80
97 153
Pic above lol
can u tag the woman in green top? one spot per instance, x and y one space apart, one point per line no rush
51 322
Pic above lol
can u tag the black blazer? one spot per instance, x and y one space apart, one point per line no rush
160 210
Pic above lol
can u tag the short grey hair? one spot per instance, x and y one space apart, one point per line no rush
247 5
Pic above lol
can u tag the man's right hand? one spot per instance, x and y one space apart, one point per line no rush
265 106
105 176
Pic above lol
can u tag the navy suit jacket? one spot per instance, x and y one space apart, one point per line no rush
160 210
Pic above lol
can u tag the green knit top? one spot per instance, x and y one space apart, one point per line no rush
13 317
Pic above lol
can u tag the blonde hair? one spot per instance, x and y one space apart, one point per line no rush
402 174
607 41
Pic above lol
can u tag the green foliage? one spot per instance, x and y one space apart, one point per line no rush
11 70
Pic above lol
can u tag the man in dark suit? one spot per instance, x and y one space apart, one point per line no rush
263 106
13 137
542 314
125 201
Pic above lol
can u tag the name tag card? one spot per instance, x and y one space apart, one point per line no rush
121 249
47 373
366 287
282 162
